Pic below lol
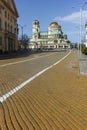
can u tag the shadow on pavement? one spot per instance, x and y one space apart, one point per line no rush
18 54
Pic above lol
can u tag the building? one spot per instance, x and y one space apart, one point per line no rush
8 26
53 38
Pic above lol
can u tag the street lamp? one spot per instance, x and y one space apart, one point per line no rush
81 9
22 28
77 27
80 32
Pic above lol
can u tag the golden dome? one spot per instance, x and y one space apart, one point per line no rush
54 24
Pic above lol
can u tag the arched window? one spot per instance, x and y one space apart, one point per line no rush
9 2
55 41
0 24
11 28
6 26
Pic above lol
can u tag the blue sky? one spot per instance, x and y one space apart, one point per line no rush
65 12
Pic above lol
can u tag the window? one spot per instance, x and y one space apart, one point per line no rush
0 40
8 16
9 2
5 26
11 18
5 14
8 27
0 24
15 30
11 28
0 10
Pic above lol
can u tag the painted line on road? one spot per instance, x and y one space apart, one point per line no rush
7 95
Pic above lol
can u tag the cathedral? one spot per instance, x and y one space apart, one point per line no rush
52 39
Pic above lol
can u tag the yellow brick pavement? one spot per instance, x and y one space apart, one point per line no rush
57 100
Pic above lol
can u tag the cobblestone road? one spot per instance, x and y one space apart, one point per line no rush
56 100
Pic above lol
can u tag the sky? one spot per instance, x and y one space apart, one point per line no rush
65 12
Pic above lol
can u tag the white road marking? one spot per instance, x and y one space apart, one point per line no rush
7 95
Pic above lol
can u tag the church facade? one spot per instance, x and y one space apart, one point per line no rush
53 38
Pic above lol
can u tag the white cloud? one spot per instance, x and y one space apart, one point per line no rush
73 18
73 32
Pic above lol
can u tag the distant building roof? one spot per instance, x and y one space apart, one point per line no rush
54 24
44 33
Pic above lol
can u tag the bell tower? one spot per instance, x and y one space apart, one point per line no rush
35 29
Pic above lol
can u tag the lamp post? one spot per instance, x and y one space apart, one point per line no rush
81 10
22 28
77 27
80 31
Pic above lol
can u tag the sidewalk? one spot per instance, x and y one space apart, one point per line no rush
18 54
83 63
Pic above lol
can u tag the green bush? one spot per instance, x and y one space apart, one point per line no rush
84 50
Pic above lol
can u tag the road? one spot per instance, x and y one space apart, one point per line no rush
13 74
56 100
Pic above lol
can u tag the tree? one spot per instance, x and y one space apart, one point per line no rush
24 41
